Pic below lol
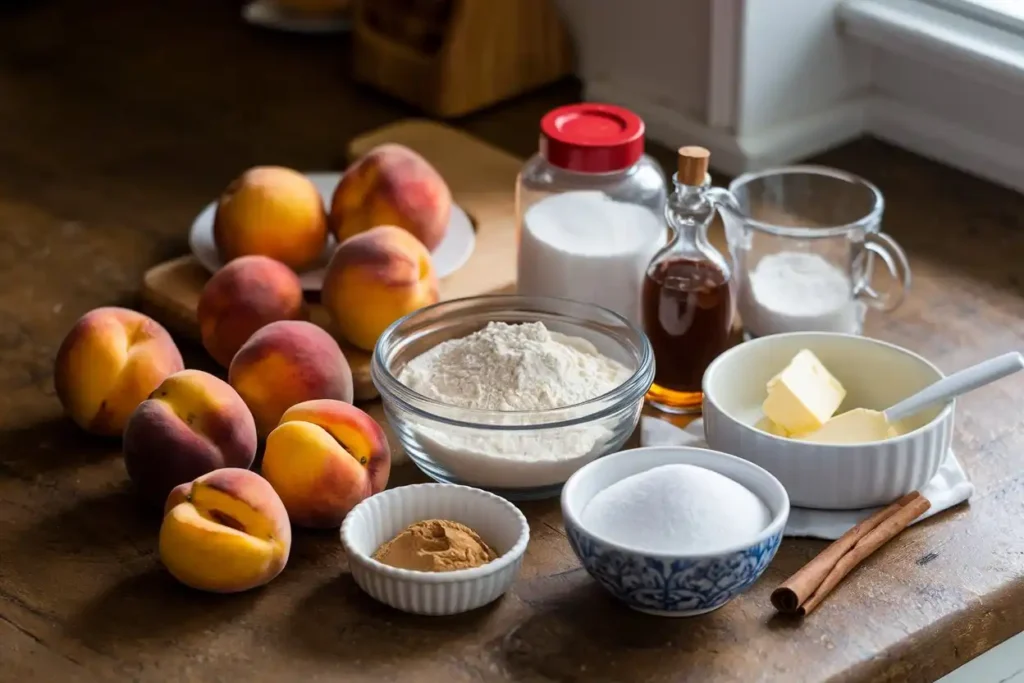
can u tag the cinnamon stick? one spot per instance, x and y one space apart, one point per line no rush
794 592
884 533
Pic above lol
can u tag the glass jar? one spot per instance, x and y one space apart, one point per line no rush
590 209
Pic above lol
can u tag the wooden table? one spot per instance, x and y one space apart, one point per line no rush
122 119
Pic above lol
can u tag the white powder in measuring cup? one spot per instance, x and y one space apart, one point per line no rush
676 509
588 247
522 367
793 291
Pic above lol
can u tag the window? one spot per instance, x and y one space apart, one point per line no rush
1005 14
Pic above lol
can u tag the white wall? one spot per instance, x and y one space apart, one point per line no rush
967 102
659 47
796 77
786 80
794 63
948 117
943 85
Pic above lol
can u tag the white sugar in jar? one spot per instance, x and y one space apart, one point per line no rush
588 247
590 209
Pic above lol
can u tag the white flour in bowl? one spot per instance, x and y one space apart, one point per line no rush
523 367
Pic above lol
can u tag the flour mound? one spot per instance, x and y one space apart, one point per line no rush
522 367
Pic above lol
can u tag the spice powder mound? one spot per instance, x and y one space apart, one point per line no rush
435 545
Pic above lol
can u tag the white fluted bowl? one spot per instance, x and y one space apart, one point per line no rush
876 375
380 518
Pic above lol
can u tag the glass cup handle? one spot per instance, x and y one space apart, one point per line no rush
895 259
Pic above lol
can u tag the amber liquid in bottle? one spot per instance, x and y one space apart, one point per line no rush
686 299
687 313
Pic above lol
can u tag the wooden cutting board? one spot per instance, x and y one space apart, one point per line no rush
482 181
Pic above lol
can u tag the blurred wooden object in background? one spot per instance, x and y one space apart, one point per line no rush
452 57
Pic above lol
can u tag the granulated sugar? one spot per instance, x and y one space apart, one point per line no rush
676 509
586 246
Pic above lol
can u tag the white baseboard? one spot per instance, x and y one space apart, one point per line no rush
948 142
734 154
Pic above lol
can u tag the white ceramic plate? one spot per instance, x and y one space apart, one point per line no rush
450 255
267 14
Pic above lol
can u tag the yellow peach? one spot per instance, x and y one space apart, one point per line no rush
193 423
323 459
108 364
392 185
242 297
288 362
225 532
271 211
375 278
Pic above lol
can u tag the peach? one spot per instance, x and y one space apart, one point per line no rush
323 459
193 423
242 297
392 185
225 532
109 362
374 279
271 211
288 362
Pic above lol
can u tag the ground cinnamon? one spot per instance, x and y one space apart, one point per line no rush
436 545
805 590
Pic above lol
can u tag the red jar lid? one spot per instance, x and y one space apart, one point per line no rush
592 138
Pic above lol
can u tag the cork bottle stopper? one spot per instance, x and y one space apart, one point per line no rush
692 165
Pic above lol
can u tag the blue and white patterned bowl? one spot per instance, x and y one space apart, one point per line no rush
664 584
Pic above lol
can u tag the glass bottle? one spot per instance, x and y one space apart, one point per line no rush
687 302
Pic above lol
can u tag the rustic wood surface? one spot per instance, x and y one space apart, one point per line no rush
121 119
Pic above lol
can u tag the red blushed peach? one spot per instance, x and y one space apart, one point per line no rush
374 279
392 185
285 363
109 362
271 211
325 458
242 297
225 532
192 424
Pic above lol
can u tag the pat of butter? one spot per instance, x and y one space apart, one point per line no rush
803 396
765 424
859 425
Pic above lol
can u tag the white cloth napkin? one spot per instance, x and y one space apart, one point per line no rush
950 485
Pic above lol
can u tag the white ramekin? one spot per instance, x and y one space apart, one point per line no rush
876 375
381 517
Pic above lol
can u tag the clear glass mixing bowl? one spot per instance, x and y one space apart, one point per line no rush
517 454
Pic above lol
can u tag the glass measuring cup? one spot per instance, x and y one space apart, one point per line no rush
803 241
